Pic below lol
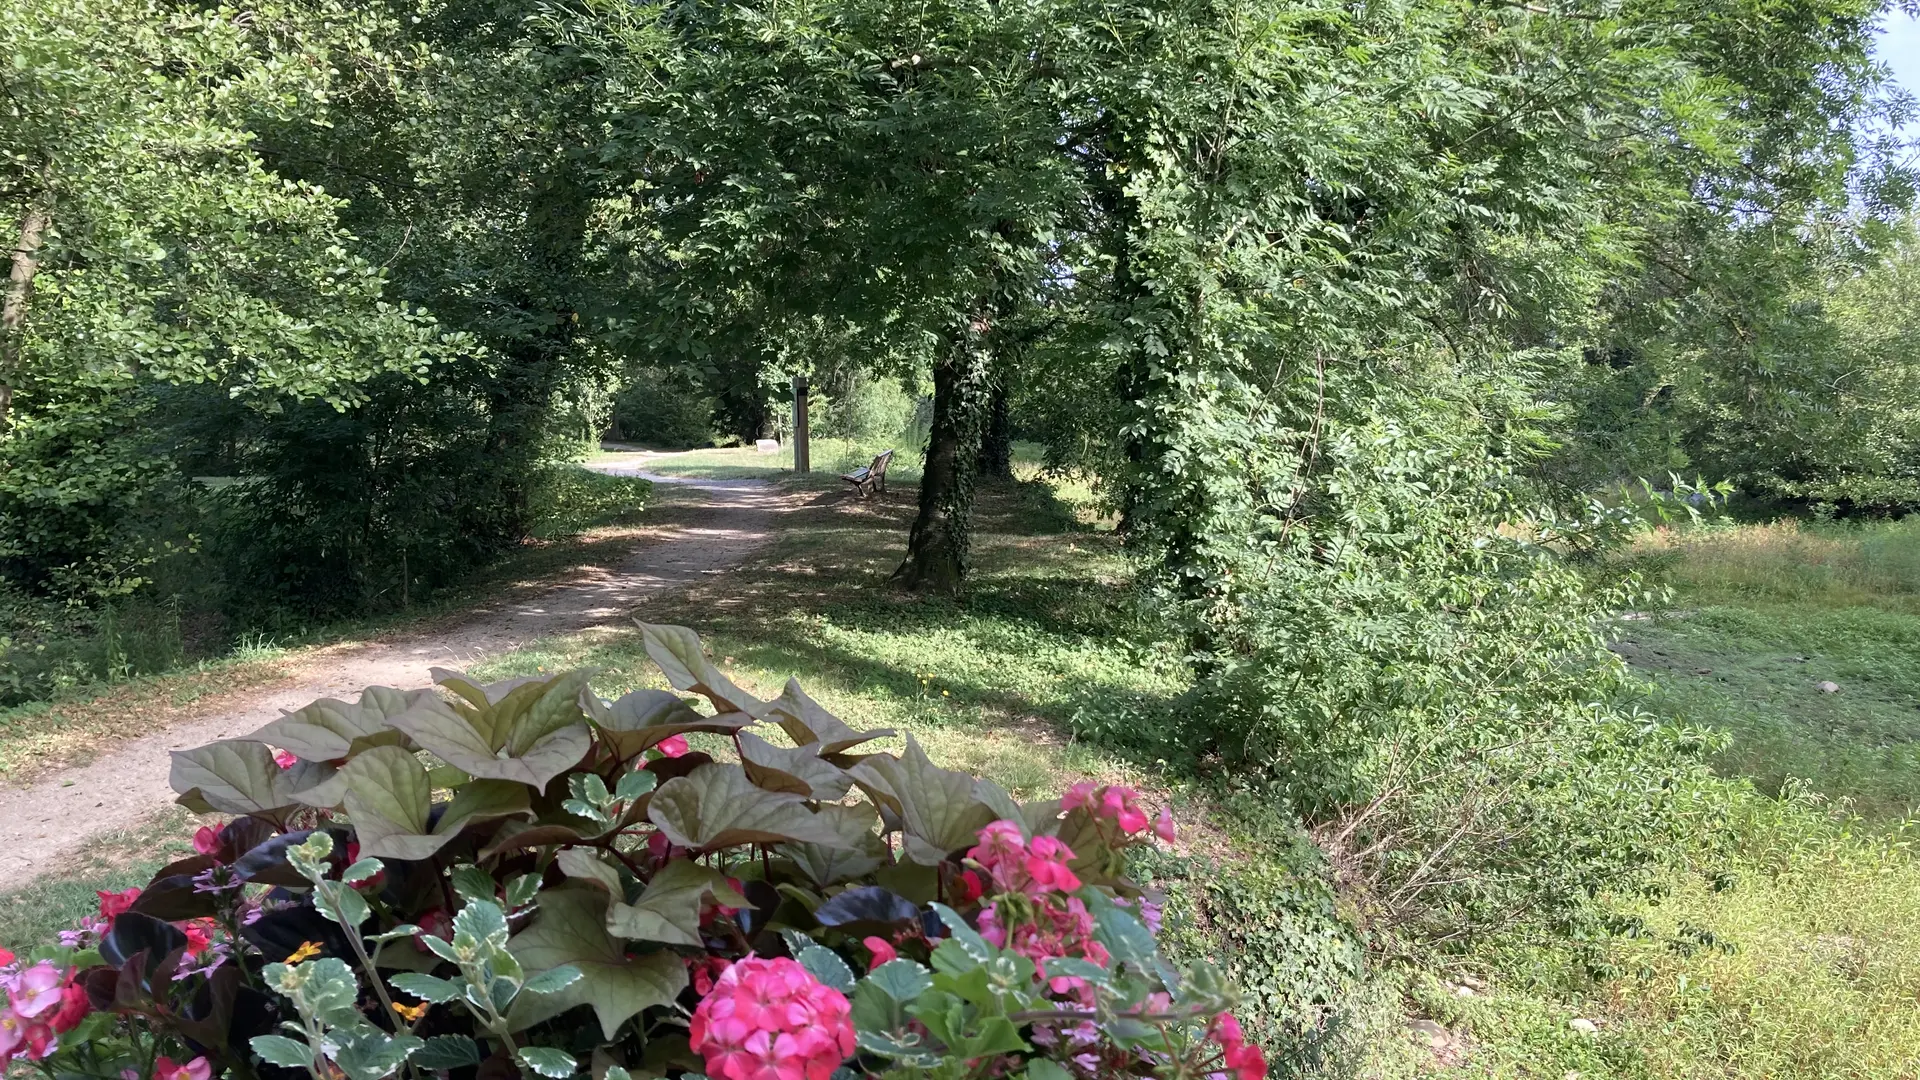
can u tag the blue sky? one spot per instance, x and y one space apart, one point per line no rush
1900 48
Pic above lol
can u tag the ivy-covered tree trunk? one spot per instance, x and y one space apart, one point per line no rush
937 548
13 310
996 445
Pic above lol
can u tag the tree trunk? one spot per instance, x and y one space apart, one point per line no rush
996 446
13 309
937 547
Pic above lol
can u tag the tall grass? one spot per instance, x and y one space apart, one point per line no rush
1829 564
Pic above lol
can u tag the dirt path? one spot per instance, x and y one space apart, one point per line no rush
725 521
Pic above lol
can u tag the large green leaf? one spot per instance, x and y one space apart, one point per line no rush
677 651
555 708
237 776
585 864
645 718
857 851
455 740
717 806
804 721
669 909
571 929
940 810
330 730
799 770
389 800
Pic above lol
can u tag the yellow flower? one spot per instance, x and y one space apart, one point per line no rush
307 951
411 1014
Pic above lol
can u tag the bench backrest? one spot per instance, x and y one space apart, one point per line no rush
879 466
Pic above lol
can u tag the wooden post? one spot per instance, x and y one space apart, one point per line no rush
802 456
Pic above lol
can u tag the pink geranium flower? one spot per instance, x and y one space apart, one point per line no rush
206 840
285 759
882 950
1046 866
164 1068
672 746
771 1020
1163 828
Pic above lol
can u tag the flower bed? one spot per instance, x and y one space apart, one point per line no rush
525 879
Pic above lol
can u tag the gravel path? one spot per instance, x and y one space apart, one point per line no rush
122 786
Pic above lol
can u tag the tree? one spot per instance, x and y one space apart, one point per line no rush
156 247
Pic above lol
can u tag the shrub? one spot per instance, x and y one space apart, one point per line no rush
660 411
590 888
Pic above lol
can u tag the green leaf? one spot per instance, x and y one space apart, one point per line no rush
805 721
825 965
444 1052
668 909
1074 967
717 806
1047 1069
425 987
521 890
339 902
861 853
556 709
1124 936
369 1054
552 980
590 789
644 719
548 1062
364 870
634 784
963 935
570 930
388 800
799 770
282 1051
902 980
586 864
677 651
458 742
905 1047
473 883
330 730
236 777
940 810
482 922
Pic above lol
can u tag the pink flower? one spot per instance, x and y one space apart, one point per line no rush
206 841
36 990
115 904
6 957
672 746
13 1032
1000 842
1077 796
882 950
1062 926
1046 866
197 1069
199 935
285 759
1121 805
967 888
74 1007
1242 1058
771 1020
1163 827
432 923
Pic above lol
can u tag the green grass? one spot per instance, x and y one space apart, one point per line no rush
829 458
1794 951
34 915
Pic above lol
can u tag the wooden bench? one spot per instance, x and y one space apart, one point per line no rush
872 478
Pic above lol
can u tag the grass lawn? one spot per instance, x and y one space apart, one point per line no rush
1795 951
